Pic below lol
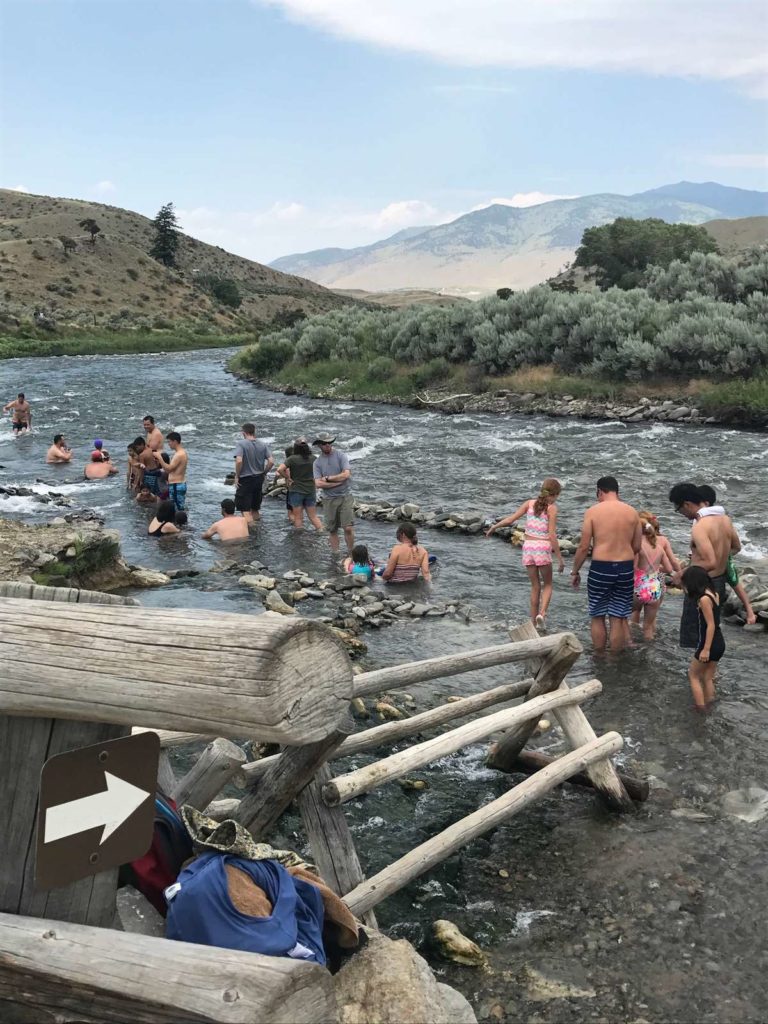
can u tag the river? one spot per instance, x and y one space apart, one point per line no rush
656 917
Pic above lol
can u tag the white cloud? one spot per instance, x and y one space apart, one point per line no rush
19 188
105 187
750 161
703 38
522 199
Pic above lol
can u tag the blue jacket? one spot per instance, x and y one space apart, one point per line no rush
202 912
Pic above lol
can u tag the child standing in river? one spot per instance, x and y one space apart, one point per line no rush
538 544
711 646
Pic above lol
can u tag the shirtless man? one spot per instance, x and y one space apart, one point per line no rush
150 463
231 527
614 531
177 471
154 434
713 539
58 452
99 467
22 414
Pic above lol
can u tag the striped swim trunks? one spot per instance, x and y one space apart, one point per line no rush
610 589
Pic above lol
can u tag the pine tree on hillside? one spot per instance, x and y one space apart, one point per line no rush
93 229
166 243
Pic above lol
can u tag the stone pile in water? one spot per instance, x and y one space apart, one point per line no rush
757 592
470 524
49 498
350 601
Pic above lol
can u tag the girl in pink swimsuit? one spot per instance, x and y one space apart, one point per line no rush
539 543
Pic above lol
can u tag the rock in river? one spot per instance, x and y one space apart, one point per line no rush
455 946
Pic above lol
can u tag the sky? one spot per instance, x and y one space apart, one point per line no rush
280 126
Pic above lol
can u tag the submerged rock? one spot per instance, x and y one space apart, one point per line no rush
275 603
456 946
543 983
749 804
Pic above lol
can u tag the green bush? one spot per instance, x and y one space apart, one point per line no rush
265 357
431 373
381 369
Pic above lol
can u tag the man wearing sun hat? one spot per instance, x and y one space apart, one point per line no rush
333 477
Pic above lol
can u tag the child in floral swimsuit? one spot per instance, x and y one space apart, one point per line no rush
538 544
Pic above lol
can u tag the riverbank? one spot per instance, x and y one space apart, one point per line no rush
111 343
739 403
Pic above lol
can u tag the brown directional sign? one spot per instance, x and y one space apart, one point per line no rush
96 808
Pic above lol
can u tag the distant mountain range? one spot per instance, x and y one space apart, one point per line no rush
504 246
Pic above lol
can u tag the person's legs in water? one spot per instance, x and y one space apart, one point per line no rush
650 613
314 518
708 676
742 595
619 631
599 632
696 679
545 575
533 577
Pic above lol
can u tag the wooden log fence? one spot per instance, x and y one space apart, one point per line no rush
72 680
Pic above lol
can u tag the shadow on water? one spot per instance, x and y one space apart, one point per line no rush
659 915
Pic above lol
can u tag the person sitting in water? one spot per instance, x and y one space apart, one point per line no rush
407 559
360 563
59 451
145 496
98 468
181 518
98 446
230 527
164 521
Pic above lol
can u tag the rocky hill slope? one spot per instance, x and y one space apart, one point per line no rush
504 246
115 283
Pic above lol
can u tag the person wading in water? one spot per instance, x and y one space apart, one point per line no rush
22 413
539 543
612 528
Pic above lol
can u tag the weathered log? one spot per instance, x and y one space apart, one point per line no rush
64 972
453 664
25 745
373 890
378 735
530 761
330 841
187 670
346 787
166 776
217 764
222 810
264 803
604 776
69 595
553 669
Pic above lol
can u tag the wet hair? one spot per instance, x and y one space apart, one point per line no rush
608 485
360 555
174 435
20 394
708 494
144 487
302 448
550 488
148 419
408 531
181 518
248 428
696 582
650 527
57 438
138 444
228 507
681 493
166 512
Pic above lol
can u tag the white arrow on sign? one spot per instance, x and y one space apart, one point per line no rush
110 809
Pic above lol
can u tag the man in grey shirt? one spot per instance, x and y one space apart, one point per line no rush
253 460
332 477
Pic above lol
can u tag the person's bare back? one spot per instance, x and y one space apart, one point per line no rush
230 528
713 538
616 531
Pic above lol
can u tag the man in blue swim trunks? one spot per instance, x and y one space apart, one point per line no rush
614 532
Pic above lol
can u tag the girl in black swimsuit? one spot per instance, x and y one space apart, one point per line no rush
711 645
164 522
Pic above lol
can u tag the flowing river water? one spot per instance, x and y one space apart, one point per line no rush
654 917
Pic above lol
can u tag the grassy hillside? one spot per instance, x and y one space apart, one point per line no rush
115 285
402 298
737 236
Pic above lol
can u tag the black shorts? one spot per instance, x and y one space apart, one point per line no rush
19 425
248 494
689 620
